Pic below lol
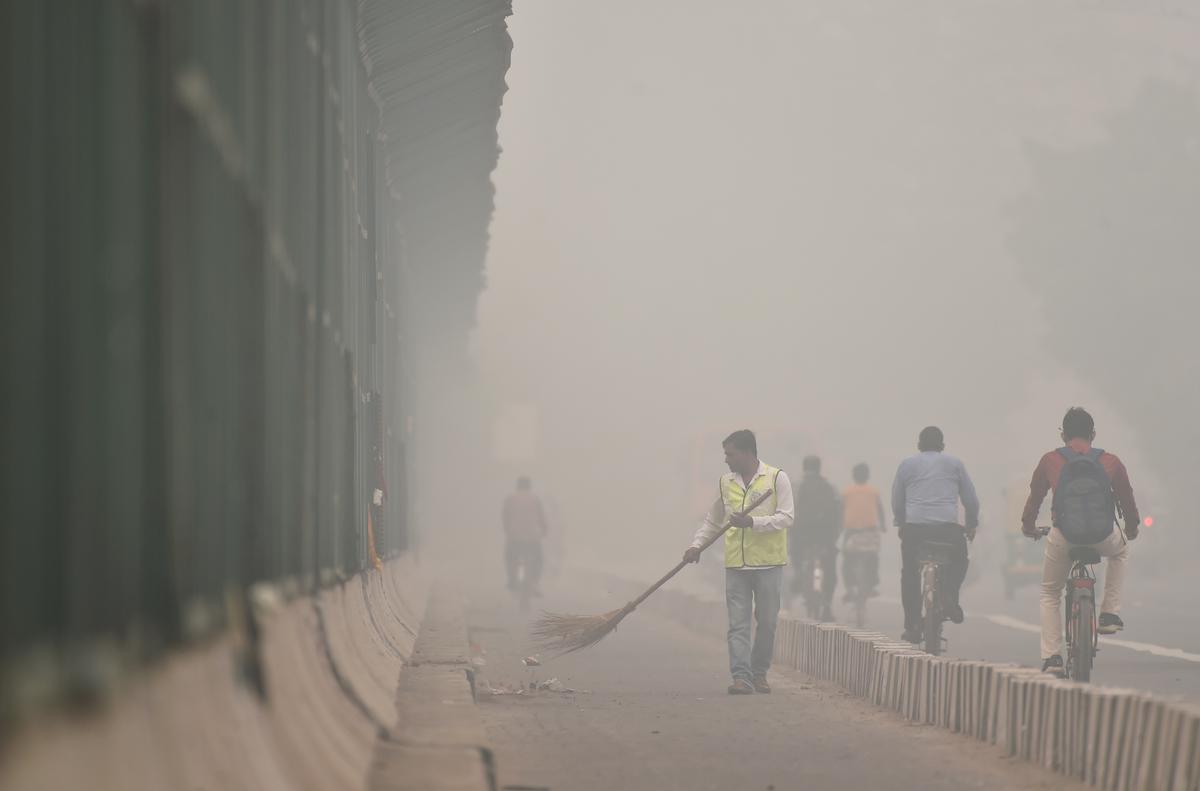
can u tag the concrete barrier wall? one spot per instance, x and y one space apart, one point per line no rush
1118 739
331 665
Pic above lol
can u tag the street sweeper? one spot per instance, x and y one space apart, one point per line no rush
756 551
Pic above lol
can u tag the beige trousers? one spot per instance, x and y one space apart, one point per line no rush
1054 578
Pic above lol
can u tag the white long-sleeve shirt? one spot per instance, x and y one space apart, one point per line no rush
785 510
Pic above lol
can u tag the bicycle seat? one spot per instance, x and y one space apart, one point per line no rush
1084 555
937 551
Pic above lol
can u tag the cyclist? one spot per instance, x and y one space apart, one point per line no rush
818 523
1083 514
525 526
862 527
925 497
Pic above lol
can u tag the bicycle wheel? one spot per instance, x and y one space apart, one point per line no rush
931 618
1083 639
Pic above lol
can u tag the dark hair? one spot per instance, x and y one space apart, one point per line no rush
931 439
523 482
861 472
812 463
1078 424
742 440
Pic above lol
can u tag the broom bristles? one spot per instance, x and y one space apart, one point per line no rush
559 633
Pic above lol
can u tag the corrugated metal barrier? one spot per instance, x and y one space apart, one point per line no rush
222 223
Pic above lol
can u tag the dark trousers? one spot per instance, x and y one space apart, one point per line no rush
527 553
912 539
860 569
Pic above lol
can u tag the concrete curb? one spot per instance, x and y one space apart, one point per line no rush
439 742
331 665
1116 739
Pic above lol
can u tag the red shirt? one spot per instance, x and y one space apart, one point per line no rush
1045 479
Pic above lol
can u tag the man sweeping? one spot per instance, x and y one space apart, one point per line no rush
755 554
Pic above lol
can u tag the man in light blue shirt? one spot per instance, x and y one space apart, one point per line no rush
925 498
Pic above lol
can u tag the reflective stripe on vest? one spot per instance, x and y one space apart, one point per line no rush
745 548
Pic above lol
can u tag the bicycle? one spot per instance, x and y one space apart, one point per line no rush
854 569
934 557
1082 633
811 575
525 585
858 597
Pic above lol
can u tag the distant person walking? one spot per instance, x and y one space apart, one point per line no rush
524 528
862 530
925 497
755 554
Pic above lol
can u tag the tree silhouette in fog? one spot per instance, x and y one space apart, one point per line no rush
1109 235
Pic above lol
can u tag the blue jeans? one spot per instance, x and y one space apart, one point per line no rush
752 593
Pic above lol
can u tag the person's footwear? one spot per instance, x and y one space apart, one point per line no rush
761 685
1054 666
741 686
911 636
954 613
1110 623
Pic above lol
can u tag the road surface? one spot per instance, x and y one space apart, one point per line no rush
650 711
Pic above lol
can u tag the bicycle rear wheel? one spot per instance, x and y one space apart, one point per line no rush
860 609
931 615
933 631
1083 639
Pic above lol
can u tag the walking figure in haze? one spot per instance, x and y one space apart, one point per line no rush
815 539
524 528
862 531
1091 488
756 550
925 498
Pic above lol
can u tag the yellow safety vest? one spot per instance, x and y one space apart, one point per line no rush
745 548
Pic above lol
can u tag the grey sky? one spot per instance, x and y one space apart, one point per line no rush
787 215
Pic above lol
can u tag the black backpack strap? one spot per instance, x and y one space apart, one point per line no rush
1066 452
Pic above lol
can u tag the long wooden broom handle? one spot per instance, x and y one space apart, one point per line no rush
728 524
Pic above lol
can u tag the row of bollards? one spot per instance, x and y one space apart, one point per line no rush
1118 739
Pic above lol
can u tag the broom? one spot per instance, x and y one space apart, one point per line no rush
558 633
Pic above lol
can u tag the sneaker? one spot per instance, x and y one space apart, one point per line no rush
911 636
1054 666
954 613
1110 623
761 685
741 686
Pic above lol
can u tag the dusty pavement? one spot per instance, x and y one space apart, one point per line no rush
650 711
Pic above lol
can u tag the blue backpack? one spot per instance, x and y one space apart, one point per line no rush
1084 508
